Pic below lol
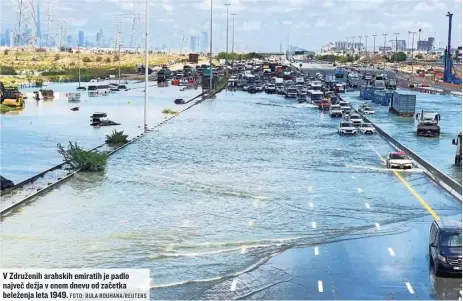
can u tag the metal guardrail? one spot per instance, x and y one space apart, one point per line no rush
453 187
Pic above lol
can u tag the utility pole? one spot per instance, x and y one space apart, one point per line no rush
374 48
396 35
210 57
233 40
413 41
360 43
146 66
353 44
226 38
366 45
347 45
119 59
384 49
408 41
419 39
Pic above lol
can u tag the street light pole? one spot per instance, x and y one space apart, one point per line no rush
146 67
210 57
413 41
233 40
374 48
227 5
360 43
385 35
396 35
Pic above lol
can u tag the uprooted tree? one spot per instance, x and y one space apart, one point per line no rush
82 159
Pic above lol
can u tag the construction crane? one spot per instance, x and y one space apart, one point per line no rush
449 70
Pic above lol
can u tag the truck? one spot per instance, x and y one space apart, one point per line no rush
457 142
339 72
403 104
299 80
391 84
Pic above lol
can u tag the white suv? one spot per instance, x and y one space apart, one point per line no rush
347 128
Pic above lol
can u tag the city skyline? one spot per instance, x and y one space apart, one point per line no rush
310 32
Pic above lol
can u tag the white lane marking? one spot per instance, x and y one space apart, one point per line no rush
409 287
359 190
378 226
367 205
233 285
316 251
243 249
310 204
320 286
310 188
314 225
391 251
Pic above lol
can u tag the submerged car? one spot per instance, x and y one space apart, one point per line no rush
428 128
335 111
398 160
445 247
367 128
347 128
367 110
355 119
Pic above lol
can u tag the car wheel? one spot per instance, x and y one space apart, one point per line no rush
436 270
388 165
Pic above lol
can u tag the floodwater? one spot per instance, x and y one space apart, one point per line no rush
212 194
438 151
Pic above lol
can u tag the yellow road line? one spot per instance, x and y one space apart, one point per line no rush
423 202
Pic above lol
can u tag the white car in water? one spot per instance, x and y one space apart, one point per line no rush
355 119
398 160
335 111
367 110
367 128
347 128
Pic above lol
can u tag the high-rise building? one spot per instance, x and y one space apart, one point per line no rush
69 40
401 45
81 38
38 33
204 42
426 45
100 38
8 38
194 43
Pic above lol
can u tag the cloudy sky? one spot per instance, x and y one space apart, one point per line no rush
260 25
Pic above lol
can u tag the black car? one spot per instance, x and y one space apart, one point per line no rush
445 247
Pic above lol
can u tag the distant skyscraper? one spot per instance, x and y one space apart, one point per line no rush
194 43
204 42
69 40
81 38
100 38
38 29
8 37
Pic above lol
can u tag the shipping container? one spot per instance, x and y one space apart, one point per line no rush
403 104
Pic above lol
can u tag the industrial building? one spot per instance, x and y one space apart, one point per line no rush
426 45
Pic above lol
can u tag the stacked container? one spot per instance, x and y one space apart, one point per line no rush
403 104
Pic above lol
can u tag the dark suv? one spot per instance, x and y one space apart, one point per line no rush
445 246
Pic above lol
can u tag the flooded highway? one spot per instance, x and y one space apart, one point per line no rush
243 196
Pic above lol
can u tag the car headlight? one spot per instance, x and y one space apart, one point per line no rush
441 258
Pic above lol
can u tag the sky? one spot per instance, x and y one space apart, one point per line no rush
260 25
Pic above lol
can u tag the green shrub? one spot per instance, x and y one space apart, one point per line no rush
86 59
169 111
99 59
108 60
79 158
117 138
6 52
57 57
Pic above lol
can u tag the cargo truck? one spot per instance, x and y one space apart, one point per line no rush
403 104
457 142
391 84
339 72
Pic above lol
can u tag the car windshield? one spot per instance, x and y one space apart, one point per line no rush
355 117
397 156
366 125
345 124
450 239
